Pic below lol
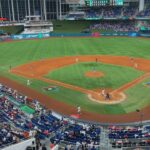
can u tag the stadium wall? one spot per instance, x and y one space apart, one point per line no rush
48 35
20 146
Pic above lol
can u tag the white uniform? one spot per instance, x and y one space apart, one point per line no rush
78 109
135 65
103 92
28 82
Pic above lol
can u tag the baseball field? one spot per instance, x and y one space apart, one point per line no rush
79 69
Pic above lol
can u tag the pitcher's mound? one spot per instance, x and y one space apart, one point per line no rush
93 74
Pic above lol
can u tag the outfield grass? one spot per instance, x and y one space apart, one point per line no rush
16 53
114 76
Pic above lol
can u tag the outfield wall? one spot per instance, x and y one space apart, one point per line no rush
96 34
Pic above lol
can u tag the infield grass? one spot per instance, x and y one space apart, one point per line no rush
114 76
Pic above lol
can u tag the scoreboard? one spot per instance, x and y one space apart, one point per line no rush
116 2
96 2
103 2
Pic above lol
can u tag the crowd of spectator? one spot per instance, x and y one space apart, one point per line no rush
144 13
129 136
9 135
42 124
81 135
16 125
94 13
114 26
112 12
129 11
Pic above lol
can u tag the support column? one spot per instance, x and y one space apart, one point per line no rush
33 8
44 7
41 7
1 9
26 12
29 11
18 15
141 5
57 11
60 14
12 7
9 10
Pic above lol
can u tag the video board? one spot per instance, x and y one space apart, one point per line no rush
116 2
103 2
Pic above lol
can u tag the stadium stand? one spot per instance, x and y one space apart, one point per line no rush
91 13
144 13
129 136
112 12
121 26
18 124
130 11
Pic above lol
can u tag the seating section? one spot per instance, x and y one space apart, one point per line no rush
112 12
94 13
129 136
130 12
17 125
9 135
80 135
114 26
146 11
